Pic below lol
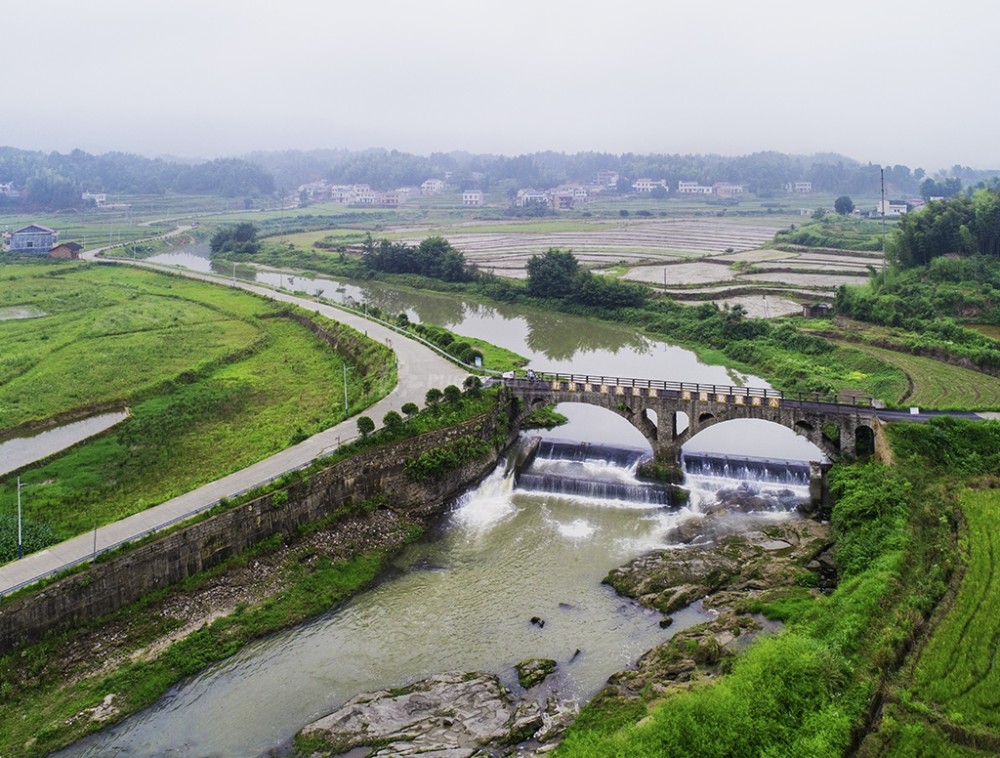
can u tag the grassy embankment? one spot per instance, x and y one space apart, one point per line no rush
51 688
945 701
216 379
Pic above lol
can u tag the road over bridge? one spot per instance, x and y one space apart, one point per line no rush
669 413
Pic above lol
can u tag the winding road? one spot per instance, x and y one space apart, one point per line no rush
419 369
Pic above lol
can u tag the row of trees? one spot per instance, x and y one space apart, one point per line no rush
434 258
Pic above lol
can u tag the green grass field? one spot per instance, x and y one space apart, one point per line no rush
214 378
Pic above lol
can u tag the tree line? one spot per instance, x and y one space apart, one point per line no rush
963 225
55 181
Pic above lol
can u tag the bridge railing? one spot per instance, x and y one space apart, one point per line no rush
580 382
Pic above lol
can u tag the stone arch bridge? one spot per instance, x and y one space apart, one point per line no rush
654 407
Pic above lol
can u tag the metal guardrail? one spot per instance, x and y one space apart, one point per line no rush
578 382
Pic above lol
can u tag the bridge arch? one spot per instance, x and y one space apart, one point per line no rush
755 438
640 401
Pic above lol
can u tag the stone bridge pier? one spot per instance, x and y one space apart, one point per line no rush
669 413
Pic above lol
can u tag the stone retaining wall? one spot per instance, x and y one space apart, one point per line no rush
378 473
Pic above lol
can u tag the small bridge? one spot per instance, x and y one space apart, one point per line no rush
838 426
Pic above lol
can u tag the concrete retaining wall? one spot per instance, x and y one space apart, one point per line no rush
106 587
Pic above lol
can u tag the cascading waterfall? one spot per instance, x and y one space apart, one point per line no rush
599 472
745 483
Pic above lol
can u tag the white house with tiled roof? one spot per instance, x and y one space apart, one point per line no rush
34 238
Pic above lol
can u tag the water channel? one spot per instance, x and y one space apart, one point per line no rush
462 599
18 452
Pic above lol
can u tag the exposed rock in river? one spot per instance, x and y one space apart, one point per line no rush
770 556
447 716
727 576
534 671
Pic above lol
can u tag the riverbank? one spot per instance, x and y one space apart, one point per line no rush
78 682
331 535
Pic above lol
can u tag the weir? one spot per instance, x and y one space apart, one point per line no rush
747 468
582 469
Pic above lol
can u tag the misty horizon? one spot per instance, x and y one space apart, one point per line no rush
881 84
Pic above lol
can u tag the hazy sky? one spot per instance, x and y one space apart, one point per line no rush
912 83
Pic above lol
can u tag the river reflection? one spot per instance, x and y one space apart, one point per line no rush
550 341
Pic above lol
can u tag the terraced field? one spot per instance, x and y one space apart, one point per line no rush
958 674
505 250
940 385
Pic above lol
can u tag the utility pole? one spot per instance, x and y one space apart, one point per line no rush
20 544
881 172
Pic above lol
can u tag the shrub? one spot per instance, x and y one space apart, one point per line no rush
366 426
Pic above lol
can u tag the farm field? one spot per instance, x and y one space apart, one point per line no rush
216 379
505 249
809 273
939 385
957 676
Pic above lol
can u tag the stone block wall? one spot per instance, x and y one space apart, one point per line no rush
105 587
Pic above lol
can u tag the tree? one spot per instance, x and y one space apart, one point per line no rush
552 274
473 385
843 205
392 421
366 426
433 397
240 239
411 409
452 394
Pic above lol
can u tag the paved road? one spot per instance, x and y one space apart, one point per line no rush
419 369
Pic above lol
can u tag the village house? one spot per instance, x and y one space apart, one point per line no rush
561 200
692 188
802 188
66 251
727 189
607 178
472 197
891 208
99 199
432 186
648 185
526 197
580 193
7 190
35 238
365 195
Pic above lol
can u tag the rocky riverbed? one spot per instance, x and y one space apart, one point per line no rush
722 561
